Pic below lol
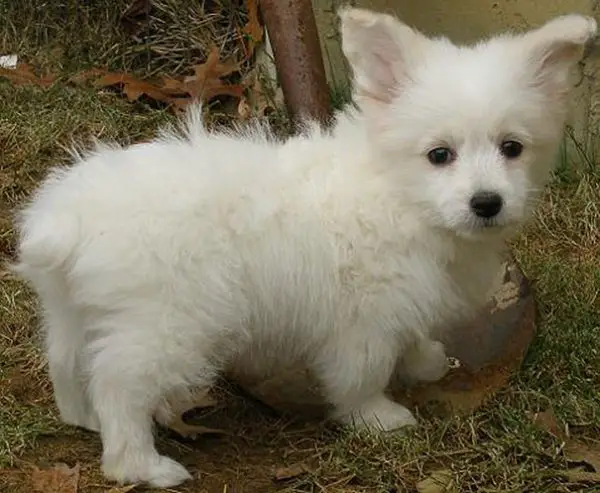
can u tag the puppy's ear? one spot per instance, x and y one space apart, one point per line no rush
555 48
380 50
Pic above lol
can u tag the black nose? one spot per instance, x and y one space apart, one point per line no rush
486 204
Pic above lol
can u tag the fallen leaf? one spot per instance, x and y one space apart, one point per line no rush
171 90
579 476
220 89
173 86
176 92
86 75
573 450
547 421
206 82
186 430
581 453
179 97
179 105
58 479
291 472
438 482
122 489
253 29
23 74
198 399
213 67
133 88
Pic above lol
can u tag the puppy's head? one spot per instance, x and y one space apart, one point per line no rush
468 133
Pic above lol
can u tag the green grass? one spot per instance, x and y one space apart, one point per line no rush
498 449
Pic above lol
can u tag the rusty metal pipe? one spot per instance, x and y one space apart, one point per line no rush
298 58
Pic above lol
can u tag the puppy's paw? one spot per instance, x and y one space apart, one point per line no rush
379 414
426 363
158 471
167 473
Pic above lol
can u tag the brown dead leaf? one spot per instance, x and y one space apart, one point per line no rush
253 30
23 75
214 68
206 82
86 75
291 472
441 481
122 489
582 453
177 92
58 479
580 476
179 105
547 421
176 89
132 87
197 399
169 91
220 89
174 86
186 430
573 450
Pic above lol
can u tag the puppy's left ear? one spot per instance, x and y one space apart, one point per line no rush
380 50
555 48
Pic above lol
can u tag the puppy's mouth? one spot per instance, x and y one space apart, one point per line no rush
492 222
484 228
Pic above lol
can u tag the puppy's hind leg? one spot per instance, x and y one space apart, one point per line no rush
64 339
131 373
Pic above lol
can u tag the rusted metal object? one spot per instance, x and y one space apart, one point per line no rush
490 349
298 58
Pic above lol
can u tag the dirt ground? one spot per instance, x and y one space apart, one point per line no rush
257 449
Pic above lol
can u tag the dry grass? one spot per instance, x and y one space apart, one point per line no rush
168 38
498 449
177 33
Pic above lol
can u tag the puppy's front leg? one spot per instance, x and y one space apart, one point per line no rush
355 371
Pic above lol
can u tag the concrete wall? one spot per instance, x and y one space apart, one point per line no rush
465 21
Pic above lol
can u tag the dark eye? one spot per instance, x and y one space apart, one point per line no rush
440 156
511 149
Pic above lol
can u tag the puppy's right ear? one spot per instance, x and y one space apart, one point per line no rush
380 50
555 48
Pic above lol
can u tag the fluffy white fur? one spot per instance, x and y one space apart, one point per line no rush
162 264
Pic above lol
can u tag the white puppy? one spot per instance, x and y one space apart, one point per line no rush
162 264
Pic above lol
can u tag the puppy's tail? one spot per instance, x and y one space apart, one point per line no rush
48 230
